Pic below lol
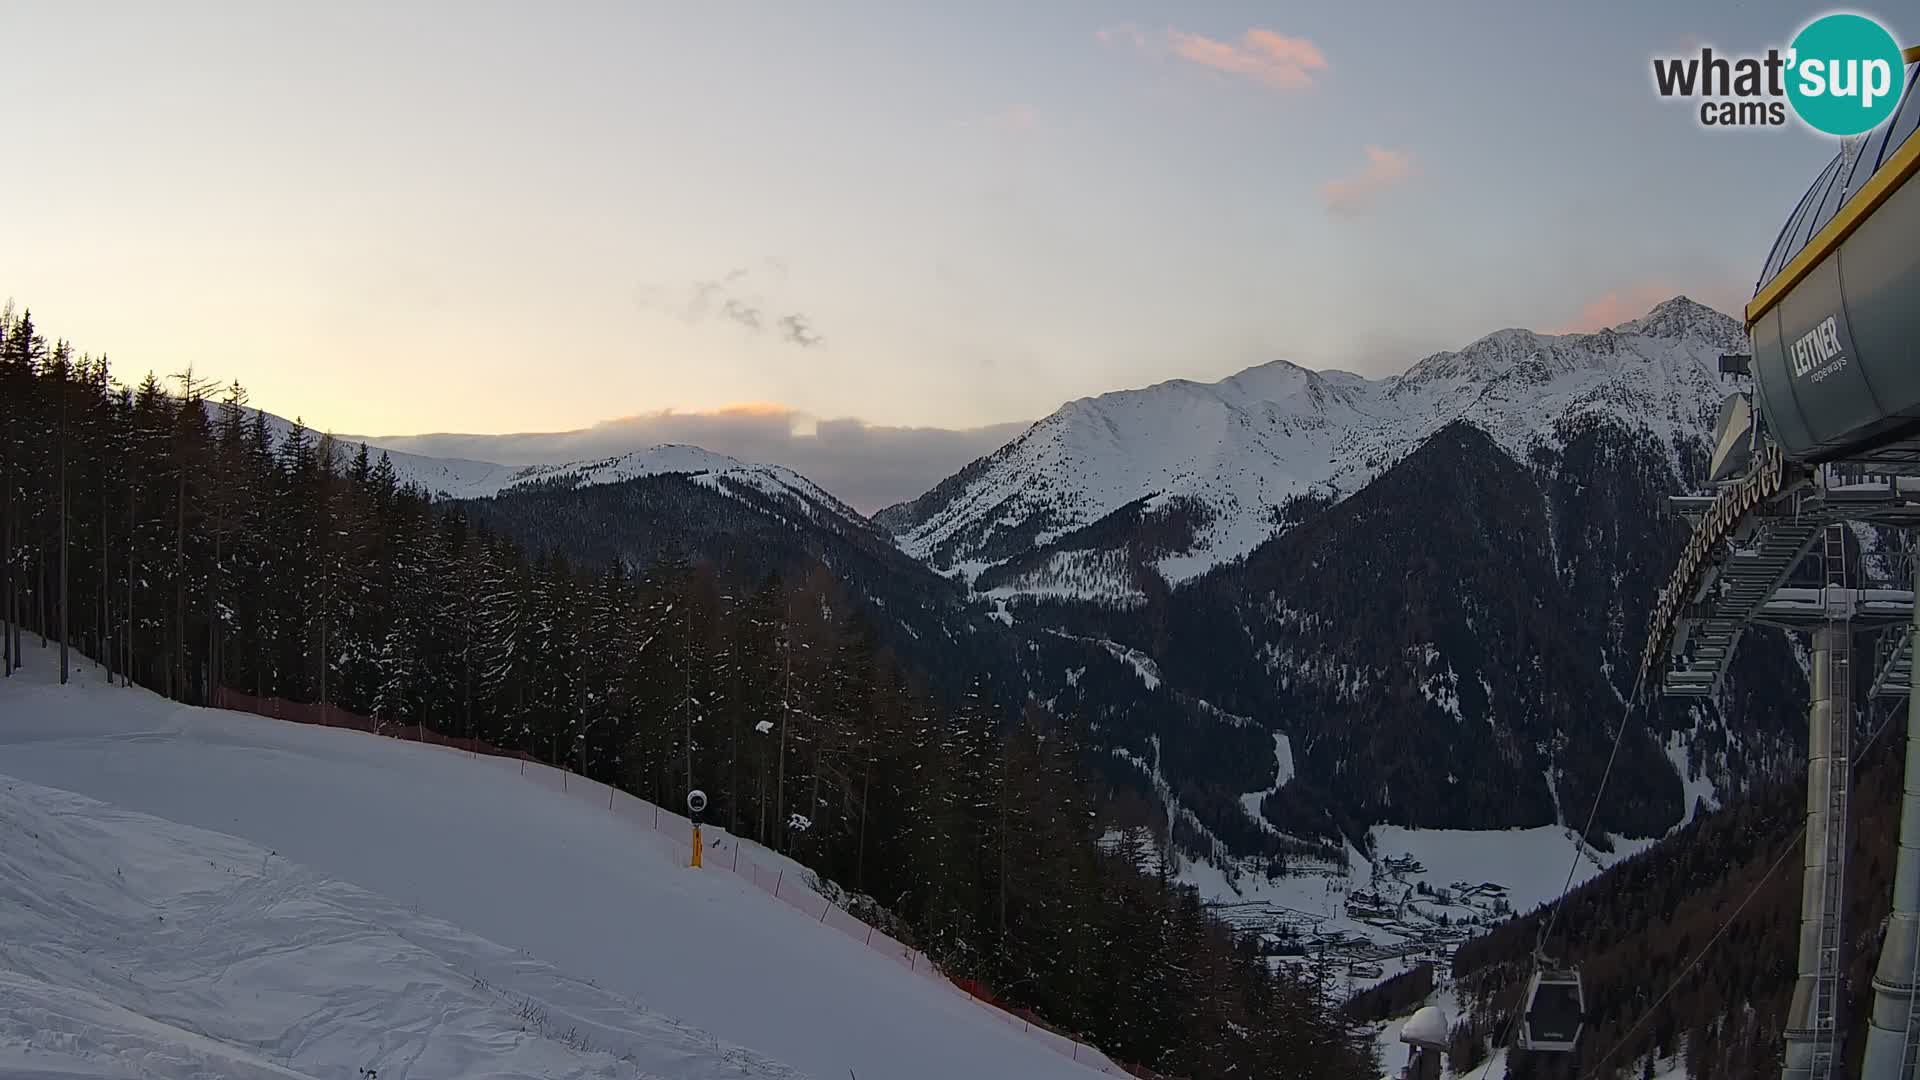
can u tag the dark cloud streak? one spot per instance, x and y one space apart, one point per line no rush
795 330
732 297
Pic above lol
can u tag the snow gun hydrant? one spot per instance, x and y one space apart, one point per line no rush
696 802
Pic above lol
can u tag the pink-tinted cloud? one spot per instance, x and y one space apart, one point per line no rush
1267 57
1020 117
1353 194
1635 299
1617 306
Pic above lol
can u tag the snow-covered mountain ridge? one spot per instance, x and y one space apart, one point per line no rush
463 478
1228 455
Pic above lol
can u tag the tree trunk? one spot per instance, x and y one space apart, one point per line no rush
213 617
126 669
1000 901
326 586
178 676
64 623
106 592
860 853
8 659
786 710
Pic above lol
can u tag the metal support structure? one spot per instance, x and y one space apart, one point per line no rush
1893 1031
1813 1034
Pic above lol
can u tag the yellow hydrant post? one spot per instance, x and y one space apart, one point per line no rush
696 846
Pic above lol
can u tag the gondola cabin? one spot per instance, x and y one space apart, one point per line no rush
1556 1010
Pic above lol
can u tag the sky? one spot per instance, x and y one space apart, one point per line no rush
474 217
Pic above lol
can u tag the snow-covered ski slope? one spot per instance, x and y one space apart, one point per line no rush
135 943
413 869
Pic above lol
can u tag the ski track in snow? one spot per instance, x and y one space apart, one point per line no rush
135 941
397 867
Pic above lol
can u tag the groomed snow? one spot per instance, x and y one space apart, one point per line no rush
592 898
134 942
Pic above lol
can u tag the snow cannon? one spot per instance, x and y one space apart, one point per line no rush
1425 1034
1835 316
696 802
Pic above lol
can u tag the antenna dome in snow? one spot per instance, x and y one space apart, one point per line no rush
1428 1027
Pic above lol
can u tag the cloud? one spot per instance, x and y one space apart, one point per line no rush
1353 194
734 297
1267 57
1270 59
1617 306
867 466
1019 117
795 330
741 312
1635 299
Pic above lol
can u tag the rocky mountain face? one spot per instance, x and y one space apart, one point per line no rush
1433 586
1202 474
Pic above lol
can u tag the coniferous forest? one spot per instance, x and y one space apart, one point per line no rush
173 535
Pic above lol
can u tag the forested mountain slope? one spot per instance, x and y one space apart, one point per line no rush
1735 873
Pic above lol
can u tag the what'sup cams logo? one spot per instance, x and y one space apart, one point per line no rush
1842 75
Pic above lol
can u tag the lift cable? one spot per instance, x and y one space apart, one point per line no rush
1553 911
1785 851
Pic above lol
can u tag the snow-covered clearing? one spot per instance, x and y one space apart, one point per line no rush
404 863
1695 789
1283 761
1530 863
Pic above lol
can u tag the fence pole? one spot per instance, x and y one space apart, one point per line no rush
736 854
778 880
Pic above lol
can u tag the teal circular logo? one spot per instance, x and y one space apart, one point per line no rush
1844 74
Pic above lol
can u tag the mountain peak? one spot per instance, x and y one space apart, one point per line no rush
1681 318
